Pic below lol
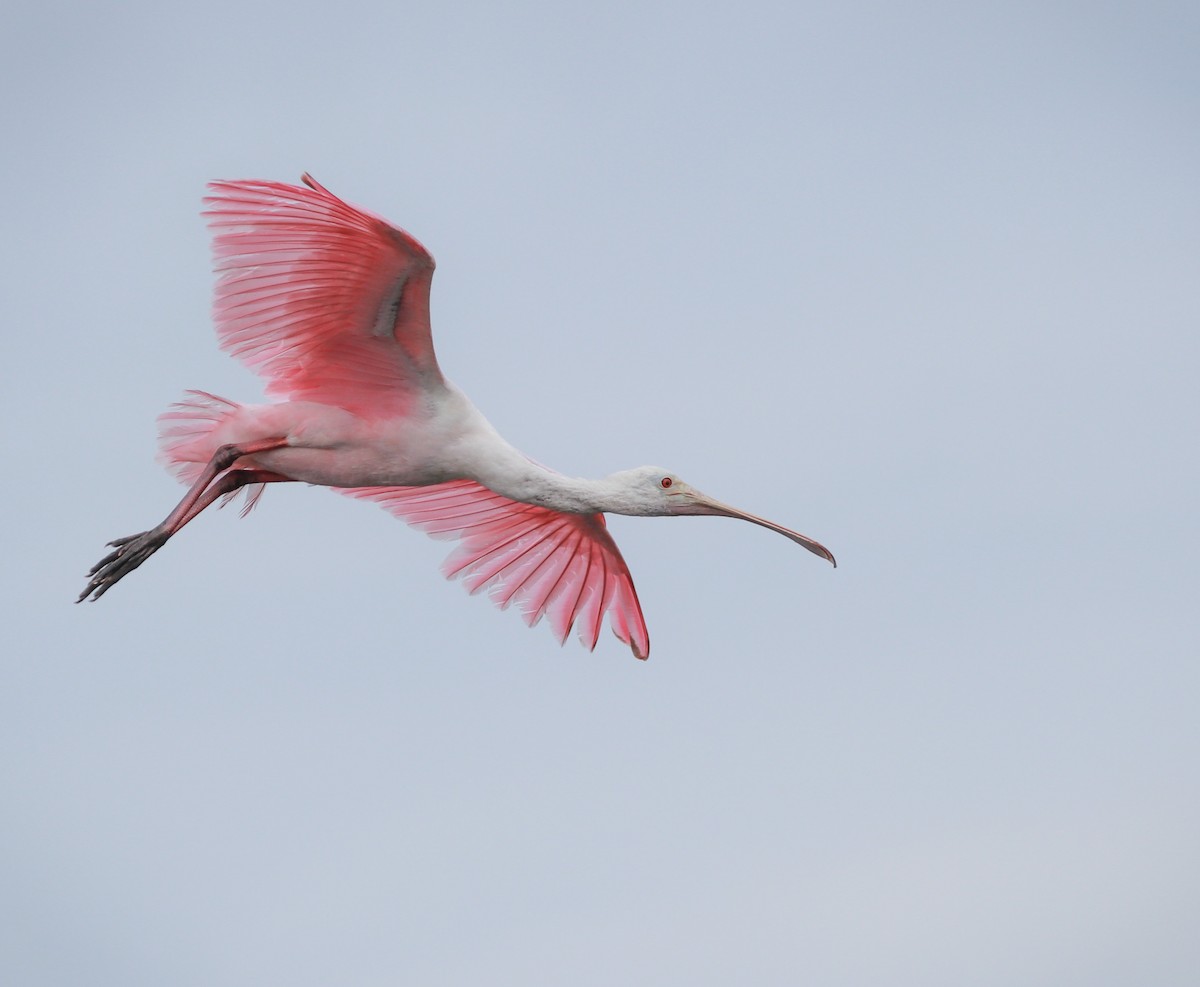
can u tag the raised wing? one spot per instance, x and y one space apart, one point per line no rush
565 567
329 302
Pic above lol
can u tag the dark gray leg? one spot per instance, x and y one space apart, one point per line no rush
132 550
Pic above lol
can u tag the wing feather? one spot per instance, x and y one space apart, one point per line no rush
327 301
564 568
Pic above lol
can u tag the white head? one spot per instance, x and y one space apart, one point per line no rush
650 491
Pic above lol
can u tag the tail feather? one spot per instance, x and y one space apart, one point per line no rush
186 441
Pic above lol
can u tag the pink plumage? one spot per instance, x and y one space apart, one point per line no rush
298 266
331 304
565 567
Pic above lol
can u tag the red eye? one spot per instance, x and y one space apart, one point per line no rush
666 481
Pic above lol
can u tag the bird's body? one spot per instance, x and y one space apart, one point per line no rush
332 447
331 304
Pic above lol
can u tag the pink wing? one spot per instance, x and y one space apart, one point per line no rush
565 567
329 302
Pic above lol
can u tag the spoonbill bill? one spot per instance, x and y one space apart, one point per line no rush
330 303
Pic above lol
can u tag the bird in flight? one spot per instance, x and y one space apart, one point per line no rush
330 303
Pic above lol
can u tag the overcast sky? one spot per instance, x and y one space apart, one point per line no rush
919 280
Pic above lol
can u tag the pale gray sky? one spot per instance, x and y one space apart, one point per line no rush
919 280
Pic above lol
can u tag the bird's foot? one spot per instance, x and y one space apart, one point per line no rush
128 553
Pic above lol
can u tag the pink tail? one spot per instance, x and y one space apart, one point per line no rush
186 441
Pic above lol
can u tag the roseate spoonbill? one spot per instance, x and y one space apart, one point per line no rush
331 304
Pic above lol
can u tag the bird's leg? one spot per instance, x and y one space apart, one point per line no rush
232 481
130 555
132 550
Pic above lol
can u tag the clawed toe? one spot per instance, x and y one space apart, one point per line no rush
128 553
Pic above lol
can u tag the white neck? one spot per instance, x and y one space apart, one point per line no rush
521 479
482 454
